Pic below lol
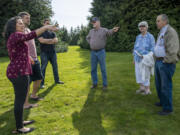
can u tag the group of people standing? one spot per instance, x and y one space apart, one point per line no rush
165 52
24 66
149 56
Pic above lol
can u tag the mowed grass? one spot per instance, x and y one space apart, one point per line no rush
75 109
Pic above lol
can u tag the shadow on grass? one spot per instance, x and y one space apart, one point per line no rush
88 121
7 121
111 108
47 91
120 110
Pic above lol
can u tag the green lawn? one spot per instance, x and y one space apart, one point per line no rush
75 109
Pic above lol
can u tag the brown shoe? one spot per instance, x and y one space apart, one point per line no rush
93 86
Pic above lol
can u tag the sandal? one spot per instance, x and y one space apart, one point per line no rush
18 131
31 106
139 91
28 122
36 98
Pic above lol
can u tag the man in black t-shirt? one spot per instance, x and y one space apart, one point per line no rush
47 41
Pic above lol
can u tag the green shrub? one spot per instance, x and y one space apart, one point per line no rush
61 47
127 14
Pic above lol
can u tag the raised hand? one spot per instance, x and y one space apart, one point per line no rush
115 29
52 27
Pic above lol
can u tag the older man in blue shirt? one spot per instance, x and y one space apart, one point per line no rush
166 53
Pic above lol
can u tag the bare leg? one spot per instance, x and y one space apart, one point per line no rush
36 85
27 98
27 105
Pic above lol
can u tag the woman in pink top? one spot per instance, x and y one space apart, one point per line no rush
19 69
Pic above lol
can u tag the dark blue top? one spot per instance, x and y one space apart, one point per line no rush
47 47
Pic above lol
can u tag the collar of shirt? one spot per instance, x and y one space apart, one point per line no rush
145 36
97 29
164 29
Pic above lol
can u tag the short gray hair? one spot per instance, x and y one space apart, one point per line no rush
143 23
165 18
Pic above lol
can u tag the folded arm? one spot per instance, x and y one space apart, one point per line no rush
48 41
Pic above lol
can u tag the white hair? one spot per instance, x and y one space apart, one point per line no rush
143 23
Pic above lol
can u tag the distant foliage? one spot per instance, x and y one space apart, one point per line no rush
82 42
62 45
127 14
74 36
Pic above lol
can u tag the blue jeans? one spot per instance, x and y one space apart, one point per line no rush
45 57
163 79
98 56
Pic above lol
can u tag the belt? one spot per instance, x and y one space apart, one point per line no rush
159 58
97 50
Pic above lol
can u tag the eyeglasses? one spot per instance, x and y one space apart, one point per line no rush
142 26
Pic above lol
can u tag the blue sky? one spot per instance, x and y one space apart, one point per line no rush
71 12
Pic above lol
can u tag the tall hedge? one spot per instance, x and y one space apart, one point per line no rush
127 14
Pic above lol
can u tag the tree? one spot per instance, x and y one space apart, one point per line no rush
127 14
64 34
74 35
39 10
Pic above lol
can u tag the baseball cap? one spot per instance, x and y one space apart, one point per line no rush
95 19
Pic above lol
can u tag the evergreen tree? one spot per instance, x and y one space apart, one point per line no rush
127 14
39 10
